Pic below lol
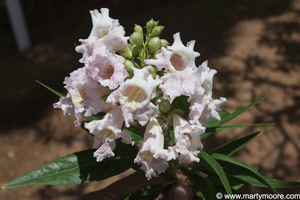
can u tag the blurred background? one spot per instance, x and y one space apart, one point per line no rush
253 44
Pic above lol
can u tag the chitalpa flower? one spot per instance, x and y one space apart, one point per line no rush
107 68
134 95
66 105
179 61
203 106
152 155
106 131
84 95
187 138
105 30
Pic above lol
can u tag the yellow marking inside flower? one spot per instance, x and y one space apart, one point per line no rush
102 32
106 72
178 61
79 96
108 134
133 96
147 156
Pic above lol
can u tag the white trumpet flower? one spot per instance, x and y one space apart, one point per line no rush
203 106
105 30
152 155
107 68
134 95
187 138
106 131
85 94
179 61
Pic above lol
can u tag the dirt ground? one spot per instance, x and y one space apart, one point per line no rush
254 45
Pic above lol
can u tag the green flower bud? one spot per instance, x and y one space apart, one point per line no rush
164 42
127 53
129 67
151 70
135 50
157 31
136 38
151 24
154 44
139 29
164 106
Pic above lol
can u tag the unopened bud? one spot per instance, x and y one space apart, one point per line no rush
151 24
164 42
135 49
157 31
164 106
129 67
128 53
139 29
152 71
136 38
154 44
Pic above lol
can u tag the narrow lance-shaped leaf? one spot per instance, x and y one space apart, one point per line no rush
225 117
52 90
211 130
231 147
217 168
254 182
200 184
77 168
245 168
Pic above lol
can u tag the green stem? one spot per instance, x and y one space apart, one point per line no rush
143 55
173 170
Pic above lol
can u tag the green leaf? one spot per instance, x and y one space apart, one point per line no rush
52 90
98 116
254 182
211 130
225 117
234 146
212 122
242 168
172 137
77 168
182 104
200 184
136 137
216 168
235 185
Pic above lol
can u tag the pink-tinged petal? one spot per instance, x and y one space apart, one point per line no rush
187 138
171 85
143 115
179 61
105 151
66 105
106 131
106 67
106 31
134 96
162 59
85 94
196 110
152 155
126 137
108 128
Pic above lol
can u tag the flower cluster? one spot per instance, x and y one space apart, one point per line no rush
141 77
